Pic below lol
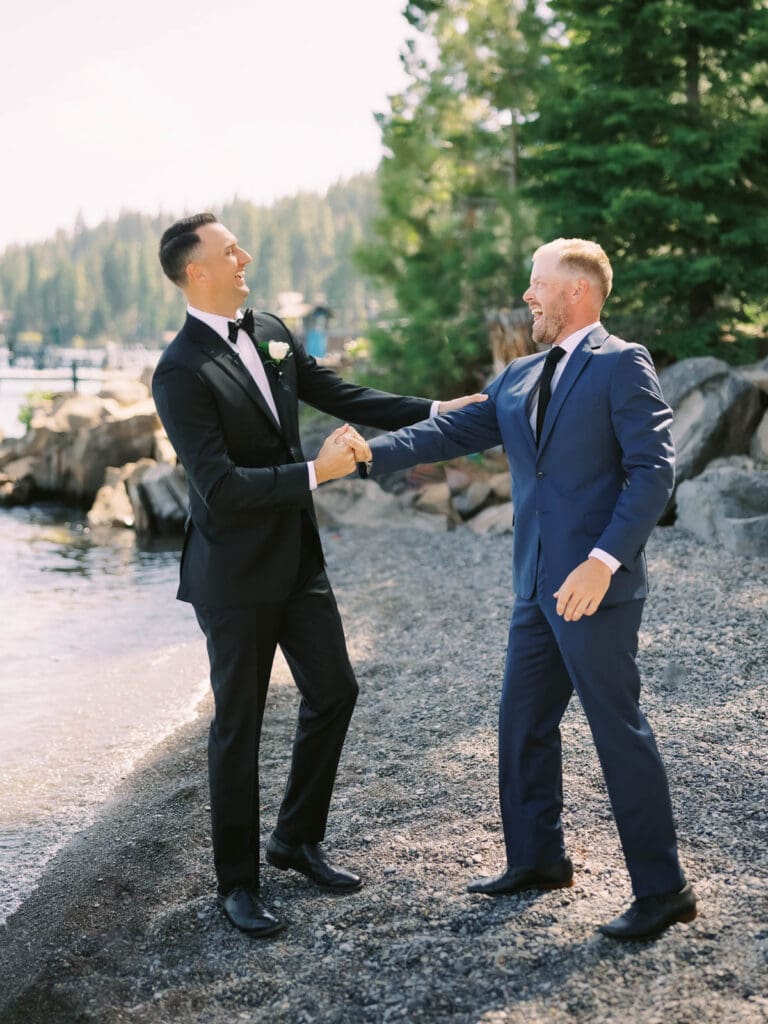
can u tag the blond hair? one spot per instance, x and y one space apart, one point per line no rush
583 257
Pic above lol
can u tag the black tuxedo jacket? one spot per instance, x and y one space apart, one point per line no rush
248 478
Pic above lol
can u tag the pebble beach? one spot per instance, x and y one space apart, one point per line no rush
124 927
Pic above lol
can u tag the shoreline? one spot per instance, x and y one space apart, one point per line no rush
99 665
92 809
124 927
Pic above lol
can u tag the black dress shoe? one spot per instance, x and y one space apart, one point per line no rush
308 859
649 916
246 912
548 876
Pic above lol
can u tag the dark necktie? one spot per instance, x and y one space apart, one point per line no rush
554 355
245 323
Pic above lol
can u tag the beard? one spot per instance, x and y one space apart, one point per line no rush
548 328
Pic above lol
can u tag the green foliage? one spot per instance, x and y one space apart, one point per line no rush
32 402
453 233
106 281
652 138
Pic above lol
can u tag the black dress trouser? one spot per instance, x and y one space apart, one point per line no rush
241 648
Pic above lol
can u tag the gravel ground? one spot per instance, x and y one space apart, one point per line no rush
124 927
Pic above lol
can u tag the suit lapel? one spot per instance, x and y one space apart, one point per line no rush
573 369
279 378
230 363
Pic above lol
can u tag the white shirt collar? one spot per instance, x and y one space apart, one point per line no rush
573 340
215 321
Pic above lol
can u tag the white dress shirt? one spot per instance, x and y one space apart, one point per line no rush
569 345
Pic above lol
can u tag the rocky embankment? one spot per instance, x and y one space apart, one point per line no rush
124 926
109 452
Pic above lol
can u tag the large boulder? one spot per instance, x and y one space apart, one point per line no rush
112 506
364 503
125 390
716 411
72 445
162 492
757 373
151 497
727 506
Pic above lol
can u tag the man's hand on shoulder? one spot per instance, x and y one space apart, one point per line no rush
583 590
459 403
340 453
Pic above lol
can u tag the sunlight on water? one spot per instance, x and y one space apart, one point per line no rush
98 663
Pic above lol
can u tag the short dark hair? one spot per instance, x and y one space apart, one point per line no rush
179 242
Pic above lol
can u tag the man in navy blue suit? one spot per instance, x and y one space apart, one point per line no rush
587 434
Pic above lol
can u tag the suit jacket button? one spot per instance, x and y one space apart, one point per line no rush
540 475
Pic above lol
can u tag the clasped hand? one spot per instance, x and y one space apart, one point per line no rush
340 453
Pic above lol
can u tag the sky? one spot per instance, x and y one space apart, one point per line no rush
178 105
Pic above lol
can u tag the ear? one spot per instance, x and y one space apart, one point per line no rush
195 272
579 290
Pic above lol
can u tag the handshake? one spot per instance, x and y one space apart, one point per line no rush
340 453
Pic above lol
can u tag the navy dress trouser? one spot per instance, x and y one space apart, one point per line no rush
547 659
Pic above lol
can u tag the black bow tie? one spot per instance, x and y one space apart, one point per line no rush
245 323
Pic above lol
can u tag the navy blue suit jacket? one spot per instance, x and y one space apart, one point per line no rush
600 477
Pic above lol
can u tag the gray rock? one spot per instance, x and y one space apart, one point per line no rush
757 373
473 499
496 519
501 485
73 443
727 506
364 503
157 493
435 498
124 391
673 677
758 449
457 479
162 489
715 408
142 520
163 450
112 506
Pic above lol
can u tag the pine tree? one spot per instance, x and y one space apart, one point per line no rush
453 232
652 138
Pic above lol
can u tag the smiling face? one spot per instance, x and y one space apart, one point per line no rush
548 298
215 278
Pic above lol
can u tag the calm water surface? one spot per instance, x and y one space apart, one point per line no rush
98 662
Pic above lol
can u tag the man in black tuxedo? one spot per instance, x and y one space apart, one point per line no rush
227 390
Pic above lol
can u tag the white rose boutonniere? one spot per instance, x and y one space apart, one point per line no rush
276 352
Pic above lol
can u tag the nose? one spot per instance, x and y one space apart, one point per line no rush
527 294
245 258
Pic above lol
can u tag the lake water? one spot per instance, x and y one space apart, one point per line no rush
98 662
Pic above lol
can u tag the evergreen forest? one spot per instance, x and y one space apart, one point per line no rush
641 124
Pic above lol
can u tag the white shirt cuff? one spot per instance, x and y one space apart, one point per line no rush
603 556
434 410
312 476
